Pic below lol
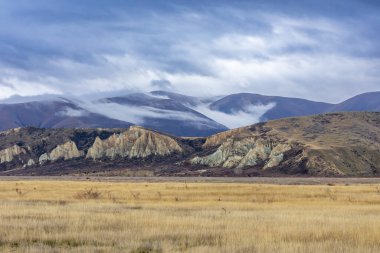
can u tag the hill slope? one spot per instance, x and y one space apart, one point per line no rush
53 114
169 112
331 144
282 106
166 112
363 102
335 144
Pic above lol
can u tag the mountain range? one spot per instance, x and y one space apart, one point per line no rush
332 144
169 112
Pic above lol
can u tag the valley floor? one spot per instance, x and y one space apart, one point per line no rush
54 215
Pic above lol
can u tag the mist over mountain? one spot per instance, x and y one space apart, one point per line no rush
57 113
173 115
282 106
168 112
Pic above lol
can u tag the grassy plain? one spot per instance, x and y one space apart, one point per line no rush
75 216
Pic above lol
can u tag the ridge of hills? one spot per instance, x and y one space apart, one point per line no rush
169 112
332 144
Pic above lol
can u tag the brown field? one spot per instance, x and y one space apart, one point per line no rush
80 216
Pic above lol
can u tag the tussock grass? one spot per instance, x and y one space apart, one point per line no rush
72 216
88 194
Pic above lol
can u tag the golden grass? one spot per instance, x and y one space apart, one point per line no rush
73 216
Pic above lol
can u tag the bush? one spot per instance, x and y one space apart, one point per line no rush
147 249
88 194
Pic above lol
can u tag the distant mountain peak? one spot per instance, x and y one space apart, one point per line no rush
168 111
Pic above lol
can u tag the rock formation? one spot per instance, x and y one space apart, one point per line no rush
136 142
30 162
337 144
64 151
243 153
8 154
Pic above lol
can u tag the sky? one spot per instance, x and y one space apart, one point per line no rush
320 50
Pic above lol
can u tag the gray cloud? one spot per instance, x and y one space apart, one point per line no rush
76 48
136 114
247 116
72 112
162 84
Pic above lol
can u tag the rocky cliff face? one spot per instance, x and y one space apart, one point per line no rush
64 151
339 144
218 139
137 142
244 153
8 154
41 147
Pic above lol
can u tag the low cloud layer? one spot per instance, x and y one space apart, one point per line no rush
247 116
72 112
77 48
137 114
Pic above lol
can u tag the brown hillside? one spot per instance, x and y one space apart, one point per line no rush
335 144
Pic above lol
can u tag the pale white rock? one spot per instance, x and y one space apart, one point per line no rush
136 142
232 161
228 154
244 153
277 155
274 161
43 158
260 152
8 154
66 151
30 162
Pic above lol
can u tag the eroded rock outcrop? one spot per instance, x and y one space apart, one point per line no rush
246 152
337 144
64 151
30 162
134 143
218 139
8 154
276 155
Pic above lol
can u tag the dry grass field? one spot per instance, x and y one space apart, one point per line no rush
74 216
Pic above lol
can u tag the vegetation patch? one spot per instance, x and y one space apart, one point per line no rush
88 194
147 249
